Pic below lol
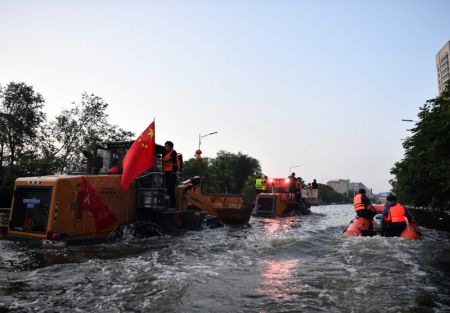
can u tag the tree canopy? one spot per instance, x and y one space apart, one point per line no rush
81 128
227 173
329 195
32 146
21 116
422 176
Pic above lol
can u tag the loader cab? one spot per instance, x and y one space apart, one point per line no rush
108 155
151 193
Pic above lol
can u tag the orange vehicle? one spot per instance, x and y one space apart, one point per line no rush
360 226
228 208
58 209
278 202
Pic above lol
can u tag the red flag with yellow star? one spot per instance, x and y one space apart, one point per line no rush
140 157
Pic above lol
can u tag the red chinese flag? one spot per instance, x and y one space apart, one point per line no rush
140 157
91 202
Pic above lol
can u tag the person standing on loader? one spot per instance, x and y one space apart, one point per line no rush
171 164
292 186
298 189
261 184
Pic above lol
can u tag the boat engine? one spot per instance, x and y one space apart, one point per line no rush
378 223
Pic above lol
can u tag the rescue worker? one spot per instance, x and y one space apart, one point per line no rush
258 183
298 190
314 184
261 184
265 183
171 164
362 205
292 186
115 167
394 217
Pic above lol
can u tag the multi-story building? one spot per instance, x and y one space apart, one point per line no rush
442 66
340 186
345 186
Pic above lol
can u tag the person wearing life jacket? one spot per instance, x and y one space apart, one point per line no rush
261 184
265 183
292 186
394 215
171 164
115 167
362 205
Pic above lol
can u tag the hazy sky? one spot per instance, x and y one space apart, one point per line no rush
319 84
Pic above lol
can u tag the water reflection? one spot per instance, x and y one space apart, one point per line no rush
280 226
279 281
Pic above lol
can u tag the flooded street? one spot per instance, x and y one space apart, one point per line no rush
294 264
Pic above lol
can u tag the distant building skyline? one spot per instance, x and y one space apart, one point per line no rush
345 186
442 66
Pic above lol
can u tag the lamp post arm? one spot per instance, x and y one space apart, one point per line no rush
203 136
405 120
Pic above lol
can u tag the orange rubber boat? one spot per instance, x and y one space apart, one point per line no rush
360 226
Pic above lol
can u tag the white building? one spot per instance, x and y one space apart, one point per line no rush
442 66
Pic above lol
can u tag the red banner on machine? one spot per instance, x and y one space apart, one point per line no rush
91 202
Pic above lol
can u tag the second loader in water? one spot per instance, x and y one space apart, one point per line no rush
277 200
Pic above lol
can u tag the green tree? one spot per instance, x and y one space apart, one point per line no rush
199 168
21 116
249 191
421 178
30 147
227 173
21 119
329 195
81 128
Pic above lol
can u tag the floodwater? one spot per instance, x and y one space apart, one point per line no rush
294 264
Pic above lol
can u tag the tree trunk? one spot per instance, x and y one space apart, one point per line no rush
1 163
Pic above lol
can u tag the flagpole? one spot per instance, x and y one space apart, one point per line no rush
154 144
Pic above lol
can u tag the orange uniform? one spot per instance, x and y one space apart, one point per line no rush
396 214
358 202
171 162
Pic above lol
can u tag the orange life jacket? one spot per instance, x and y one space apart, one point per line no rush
358 203
396 214
167 162
168 165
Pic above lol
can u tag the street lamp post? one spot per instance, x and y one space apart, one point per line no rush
405 120
203 136
291 168
410 121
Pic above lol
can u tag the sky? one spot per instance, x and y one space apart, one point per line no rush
319 87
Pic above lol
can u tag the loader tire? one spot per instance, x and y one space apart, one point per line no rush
210 221
146 229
